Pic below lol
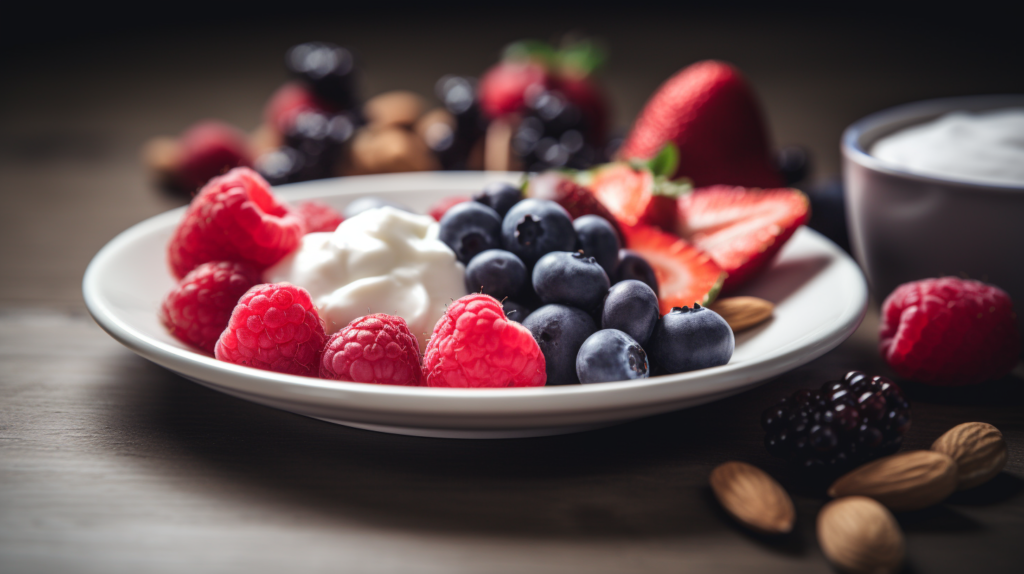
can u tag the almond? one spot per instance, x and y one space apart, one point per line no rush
742 313
978 449
905 481
858 534
753 498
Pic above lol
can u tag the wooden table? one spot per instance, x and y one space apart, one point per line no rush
111 464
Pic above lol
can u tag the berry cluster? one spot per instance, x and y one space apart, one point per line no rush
591 306
841 425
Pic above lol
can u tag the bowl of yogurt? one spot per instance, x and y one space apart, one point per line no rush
936 188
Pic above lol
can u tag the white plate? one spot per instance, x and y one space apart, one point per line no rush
819 293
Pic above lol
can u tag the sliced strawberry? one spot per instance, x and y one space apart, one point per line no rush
635 195
741 228
438 210
686 275
575 198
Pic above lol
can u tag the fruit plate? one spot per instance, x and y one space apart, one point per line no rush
819 292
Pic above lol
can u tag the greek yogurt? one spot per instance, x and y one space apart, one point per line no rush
985 147
383 260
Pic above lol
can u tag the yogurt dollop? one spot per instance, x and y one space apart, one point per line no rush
986 147
381 261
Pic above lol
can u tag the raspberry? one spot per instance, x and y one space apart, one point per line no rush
274 327
474 345
373 349
318 217
288 102
208 149
440 208
841 425
234 218
949 331
198 309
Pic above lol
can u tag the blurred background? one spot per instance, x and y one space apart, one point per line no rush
86 85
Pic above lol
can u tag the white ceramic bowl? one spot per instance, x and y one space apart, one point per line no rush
905 226
819 292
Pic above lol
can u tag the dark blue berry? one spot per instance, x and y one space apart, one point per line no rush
535 227
560 331
599 240
327 69
633 266
688 339
570 279
632 308
469 228
516 311
611 355
497 273
367 203
499 196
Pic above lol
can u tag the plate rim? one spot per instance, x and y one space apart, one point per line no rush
376 401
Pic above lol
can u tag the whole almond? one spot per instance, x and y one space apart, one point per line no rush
906 481
753 498
742 313
859 535
978 449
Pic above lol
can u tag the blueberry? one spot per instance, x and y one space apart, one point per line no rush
534 227
599 240
570 279
632 308
633 266
469 228
500 197
611 355
367 203
559 331
497 273
689 339
327 69
516 311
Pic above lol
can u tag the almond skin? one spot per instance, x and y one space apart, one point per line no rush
859 535
742 313
978 449
753 498
905 481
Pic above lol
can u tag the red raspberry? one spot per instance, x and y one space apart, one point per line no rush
198 309
274 327
474 345
234 218
318 216
373 349
208 149
949 331
438 210
289 101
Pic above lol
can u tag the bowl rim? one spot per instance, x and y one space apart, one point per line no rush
912 113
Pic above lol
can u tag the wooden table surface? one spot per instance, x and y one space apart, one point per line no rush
109 463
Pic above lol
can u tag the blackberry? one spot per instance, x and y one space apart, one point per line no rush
553 134
328 70
843 424
458 95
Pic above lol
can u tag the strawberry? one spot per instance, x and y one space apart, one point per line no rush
576 199
502 89
640 193
741 228
686 275
713 116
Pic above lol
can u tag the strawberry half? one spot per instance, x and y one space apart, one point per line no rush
575 198
741 228
686 275
710 112
635 194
